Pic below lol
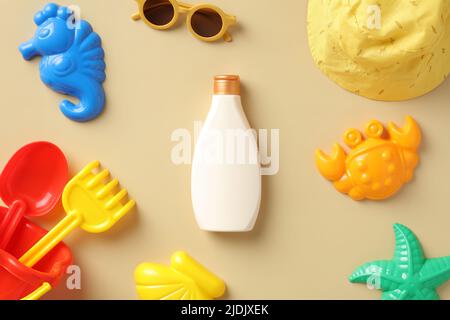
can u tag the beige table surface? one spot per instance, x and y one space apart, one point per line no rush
308 238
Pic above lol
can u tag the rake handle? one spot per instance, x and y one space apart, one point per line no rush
51 239
39 293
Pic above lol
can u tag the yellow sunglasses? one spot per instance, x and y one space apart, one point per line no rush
206 22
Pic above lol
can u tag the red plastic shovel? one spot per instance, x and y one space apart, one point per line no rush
31 185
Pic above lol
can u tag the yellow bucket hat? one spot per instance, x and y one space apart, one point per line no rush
382 49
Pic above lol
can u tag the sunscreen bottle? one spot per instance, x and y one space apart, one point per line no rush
226 172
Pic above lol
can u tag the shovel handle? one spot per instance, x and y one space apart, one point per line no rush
11 221
51 239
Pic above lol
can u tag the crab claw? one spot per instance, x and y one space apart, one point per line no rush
332 167
408 137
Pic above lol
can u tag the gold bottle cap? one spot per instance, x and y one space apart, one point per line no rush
227 85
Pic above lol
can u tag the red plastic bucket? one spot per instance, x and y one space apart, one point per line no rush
18 281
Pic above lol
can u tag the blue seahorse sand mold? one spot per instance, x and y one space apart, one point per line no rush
72 60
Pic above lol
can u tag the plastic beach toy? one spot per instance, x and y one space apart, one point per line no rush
375 168
72 60
384 49
409 275
20 282
185 279
89 204
31 184
205 21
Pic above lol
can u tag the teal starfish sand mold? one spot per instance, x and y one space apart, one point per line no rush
409 275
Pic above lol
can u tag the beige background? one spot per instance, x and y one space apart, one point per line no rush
308 238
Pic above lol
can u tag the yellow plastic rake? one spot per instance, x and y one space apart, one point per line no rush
90 204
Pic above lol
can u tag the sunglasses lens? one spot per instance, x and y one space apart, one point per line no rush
159 12
206 23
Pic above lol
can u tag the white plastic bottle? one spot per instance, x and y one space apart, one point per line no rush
226 173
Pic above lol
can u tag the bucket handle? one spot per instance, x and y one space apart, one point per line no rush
38 293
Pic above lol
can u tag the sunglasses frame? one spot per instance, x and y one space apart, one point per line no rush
190 10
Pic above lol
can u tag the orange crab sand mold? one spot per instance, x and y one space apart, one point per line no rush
376 168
